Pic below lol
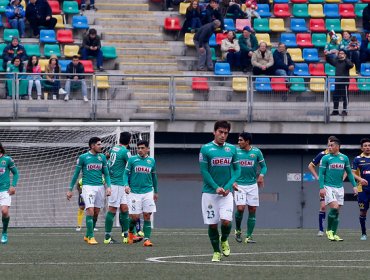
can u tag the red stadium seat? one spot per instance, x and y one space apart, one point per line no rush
55 7
241 23
172 24
299 1
353 86
65 36
281 10
220 37
347 11
304 40
317 69
200 84
88 65
317 25
279 84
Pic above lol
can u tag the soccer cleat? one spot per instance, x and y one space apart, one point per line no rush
140 234
238 236
133 238
337 238
92 241
225 248
78 228
147 243
86 239
249 239
110 240
330 235
216 257
363 237
4 238
320 233
125 240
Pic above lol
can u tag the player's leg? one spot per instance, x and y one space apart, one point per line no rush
135 208
123 216
337 201
80 212
322 216
139 232
149 207
113 204
5 220
363 203
89 195
226 215
253 203
330 200
240 201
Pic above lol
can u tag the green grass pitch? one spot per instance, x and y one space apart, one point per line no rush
47 253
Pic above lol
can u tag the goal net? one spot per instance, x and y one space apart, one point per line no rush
46 155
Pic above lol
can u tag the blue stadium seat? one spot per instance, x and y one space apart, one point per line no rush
222 68
63 65
332 84
288 39
281 1
47 36
212 41
263 84
310 55
365 69
301 69
349 1
80 22
298 25
358 36
264 10
331 10
229 24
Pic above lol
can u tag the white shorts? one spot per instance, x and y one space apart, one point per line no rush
216 207
93 196
5 199
334 194
117 197
141 203
247 195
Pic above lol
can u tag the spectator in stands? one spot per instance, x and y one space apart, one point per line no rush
283 63
332 48
364 49
52 71
366 18
201 41
91 46
231 50
235 11
34 68
211 13
15 66
251 10
352 48
15 15
262 60
12 50
75 68
90 6
192 18
248 44
342 66
38 13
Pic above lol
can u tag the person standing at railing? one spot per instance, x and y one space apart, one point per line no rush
342 66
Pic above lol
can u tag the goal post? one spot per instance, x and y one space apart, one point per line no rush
46 155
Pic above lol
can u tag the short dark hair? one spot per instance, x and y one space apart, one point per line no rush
75 57
143 142
222 124
2 150
92 31
246 136
124 138
335 140
93 141
364 140
331 138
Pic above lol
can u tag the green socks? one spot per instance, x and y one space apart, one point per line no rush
214 236
89 226
5 224
109 224
333 220
124 221
147 229
225 231
132 225
251 223
238 219
95 219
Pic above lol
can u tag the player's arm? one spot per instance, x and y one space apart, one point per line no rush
350 176
126 176
236 173
263 166
312 169
15 173
107 178
75 177
203 162
361 180
322 173
155 182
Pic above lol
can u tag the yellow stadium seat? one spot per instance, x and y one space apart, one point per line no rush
338 35
240 84
60 22
352 71
71 50
188 39
317 84
264 37
43 63
277 25
316 11
332 1
348 24
102 82
182 8
296 54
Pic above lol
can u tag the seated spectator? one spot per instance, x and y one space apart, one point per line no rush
91 46
365 48
34 68
15 15
331 49
366 18
12 50
16 66
235 11
352 48
90 6
230 50
211 13
192 18
75 68
38 13
248 44
262 60
52 71
283 63
252 9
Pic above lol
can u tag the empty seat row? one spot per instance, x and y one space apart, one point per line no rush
327 10
319 69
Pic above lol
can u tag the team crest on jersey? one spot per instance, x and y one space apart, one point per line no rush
3 162
336 166
148 161
99 158
341 158
221 161
210 206
227 149
252 155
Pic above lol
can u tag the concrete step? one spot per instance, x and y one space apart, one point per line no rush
147 58
135 43
149 72
133 66
143 51
121 6
123 13
132 27
133 36
127 1
164 96
125 22
158 88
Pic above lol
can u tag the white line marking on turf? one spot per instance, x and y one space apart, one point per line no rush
70 263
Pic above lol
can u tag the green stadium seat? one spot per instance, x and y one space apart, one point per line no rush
109 52
1 65
3 4
214 56
300 10
316 1
32 50
261 25
329 69
2 47
359 8
9 34
50 50
319 40
70 7
363 84
333 24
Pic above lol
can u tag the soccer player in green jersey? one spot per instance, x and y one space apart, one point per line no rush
7 165
246 186
142 188
93 165
332 168
220 168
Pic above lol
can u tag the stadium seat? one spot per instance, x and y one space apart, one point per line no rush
317 69
348 24
279 85
311 55
80 22
297 85
359 7
316 1
182 7
315 11
222 68
353 87
214 56
43 63
32 50
277 25
264 10
88 65
241 23
347 11
281 1
298 25
65 36
358 36
60 21
50 50
188 39
240 84
301 69
319 40
1 65
3 4
353 71
220 37
172 24
261 25
281 10
63 65
333 24
70 50
264 37
300 10
304 40
262 84
365 69
317 84
212 41
9 34
350 1
299 1
363 84
229 24
55 7
70 7
109 52
47 36
329 69
199 84
332 1
102 82
2 47
296 54
288 39
339 36
331 10
317 25
331 84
